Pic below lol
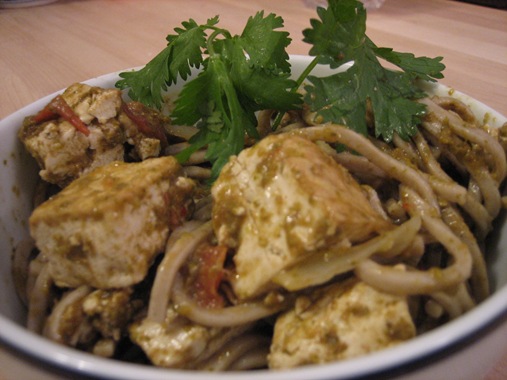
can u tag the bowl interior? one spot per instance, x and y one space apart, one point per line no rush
19 174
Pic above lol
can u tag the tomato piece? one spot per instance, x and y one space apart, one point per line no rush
59 107
44 114
209 274
146 120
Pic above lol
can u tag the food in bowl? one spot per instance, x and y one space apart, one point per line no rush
275 236
272 248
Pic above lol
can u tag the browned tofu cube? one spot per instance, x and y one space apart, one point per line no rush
106 227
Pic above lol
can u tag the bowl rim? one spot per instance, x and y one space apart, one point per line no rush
474 323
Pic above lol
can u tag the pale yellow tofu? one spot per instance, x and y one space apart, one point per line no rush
60 150
178 342
90 102
341 321
106 227
281 200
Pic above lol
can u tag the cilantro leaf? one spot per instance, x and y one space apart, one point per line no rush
258 86
143 85
264 45
424 68
192 102
335 100
183 52
242 74
222 119
338 33
235 118
340 37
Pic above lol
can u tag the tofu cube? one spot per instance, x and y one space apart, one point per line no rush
341 321
106 227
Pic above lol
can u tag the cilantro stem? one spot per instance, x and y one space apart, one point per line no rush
211 38
298 84
306 72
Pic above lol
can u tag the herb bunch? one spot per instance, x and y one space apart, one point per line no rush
245 73
240 76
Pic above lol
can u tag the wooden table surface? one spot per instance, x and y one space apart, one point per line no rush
46 48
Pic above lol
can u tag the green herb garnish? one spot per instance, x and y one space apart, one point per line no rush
244 74
339 37
241 75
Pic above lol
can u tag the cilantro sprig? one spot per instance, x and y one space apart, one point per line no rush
339 37
245 73
241 75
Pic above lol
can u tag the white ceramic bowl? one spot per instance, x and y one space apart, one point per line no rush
465 348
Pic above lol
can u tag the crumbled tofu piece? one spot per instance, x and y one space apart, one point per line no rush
106 227
64 153
60 151
92 320
147 147
281 200
109 311
341 321
178 342
105 105
91 103
144 146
